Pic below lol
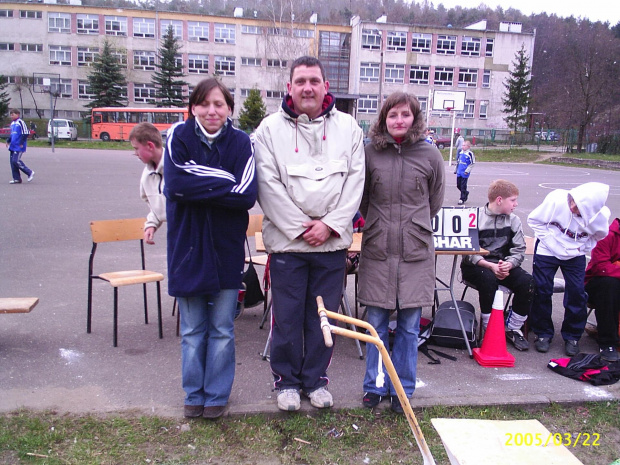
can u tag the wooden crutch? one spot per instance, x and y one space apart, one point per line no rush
374 338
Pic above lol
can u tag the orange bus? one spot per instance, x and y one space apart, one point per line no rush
115 123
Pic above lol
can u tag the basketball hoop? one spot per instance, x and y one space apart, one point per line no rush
449 108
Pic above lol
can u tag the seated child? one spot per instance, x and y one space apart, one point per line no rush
603 288
501 233
567 225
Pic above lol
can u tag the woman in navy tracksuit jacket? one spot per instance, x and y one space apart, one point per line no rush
209 186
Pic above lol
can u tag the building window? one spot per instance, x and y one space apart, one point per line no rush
250 61
489 48
59 22
6 47
470 46
394 74
31 47
251 29
486 78
423 104
367 104
468 109
198 64
6 13
245 93
278 31
144 27
371 39
197 31
30 14
224 33
443 76
86 55
225 66
279 94
60 55
397 41
369 72
115 26
303 33
421 43
419 75
484 109
446 45
275 63
468 77
84 91
144 93
87 24
64 88
144 60
121 57
177 28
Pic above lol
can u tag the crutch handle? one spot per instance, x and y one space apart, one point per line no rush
325 326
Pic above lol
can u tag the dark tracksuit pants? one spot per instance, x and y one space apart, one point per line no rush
604 296
299 357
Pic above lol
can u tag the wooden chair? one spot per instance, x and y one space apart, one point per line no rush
256 225
116 231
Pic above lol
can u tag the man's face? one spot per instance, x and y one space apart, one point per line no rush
145 152
508 204
465 146
573 206
308 89
14 116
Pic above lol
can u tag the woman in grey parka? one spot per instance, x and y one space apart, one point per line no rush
404 190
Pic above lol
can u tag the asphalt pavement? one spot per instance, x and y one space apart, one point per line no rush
48 361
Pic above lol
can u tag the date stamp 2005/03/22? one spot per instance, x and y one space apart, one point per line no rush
556 439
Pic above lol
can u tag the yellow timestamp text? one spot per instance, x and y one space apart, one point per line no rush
556 439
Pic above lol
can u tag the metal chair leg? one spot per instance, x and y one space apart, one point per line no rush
161 330
146 311
115 324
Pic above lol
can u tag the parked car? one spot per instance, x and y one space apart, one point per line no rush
6 132
63 129
547 135
442 141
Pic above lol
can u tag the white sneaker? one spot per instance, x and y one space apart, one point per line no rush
31 176
320 398
288 400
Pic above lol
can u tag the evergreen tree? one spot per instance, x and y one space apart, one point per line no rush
518 88
252 112
107 79
166 78
4 98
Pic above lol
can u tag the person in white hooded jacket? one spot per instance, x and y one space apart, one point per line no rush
567 225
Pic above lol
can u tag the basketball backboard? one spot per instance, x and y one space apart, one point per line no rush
446 100
44 83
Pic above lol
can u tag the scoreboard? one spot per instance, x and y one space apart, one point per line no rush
456 228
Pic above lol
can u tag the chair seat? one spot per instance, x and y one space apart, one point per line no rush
126 278
500 287
258 259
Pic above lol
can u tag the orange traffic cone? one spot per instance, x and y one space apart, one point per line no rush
493 352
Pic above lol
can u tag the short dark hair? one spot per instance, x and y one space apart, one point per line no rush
146 132
395 99
309 62
15 111
202 90
502 188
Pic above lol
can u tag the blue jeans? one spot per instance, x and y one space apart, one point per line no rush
208 347
17 164
404 351
575 298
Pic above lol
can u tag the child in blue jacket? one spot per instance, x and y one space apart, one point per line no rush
464 164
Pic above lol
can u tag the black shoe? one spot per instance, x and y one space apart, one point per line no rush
371 400
609 354
396 407
192 411
516 337
214 411
542 344
571 348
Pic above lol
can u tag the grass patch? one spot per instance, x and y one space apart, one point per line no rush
82 144
332 437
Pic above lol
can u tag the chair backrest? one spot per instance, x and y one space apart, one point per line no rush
530 242
117 230
255 225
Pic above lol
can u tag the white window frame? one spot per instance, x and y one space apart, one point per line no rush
446 45
489 47
59 22
87 24
84 91
484 109
249 61
144 27
367 104
420 75
421 43
6 13
394 73
116 26
144 60
64 88
87 55
371 39
198 63
440 80
278 94
470 46
468 110
423 104
224 33
276 63
29 48
121 56
177 28
144 93
303 33
225 65
468 77
486 79
30 14
197 31
60 55
370 72
245 93
397 41
7 47
247 29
